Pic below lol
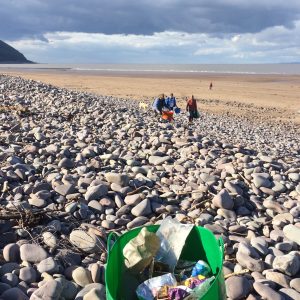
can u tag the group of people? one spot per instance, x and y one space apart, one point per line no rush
164 103
167 106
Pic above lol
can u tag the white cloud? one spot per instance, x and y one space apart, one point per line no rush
236 38
275 44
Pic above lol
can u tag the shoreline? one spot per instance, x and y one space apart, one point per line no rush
147 73
273 97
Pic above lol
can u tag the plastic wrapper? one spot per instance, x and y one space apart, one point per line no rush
177 110
172 235
162 294
150 288
194 281
139 252
201 268
178 293
198 292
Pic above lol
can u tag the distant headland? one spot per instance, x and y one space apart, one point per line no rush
9 55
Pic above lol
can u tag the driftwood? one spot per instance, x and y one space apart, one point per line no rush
199 204
29 218
236 273
139 189
245 179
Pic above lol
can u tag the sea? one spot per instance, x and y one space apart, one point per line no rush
154 69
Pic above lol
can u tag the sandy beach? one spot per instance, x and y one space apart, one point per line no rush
263 97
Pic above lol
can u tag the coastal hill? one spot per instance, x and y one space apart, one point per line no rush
9 55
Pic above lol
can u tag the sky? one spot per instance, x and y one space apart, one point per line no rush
149 31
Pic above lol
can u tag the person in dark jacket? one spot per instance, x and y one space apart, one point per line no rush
159 104
191 108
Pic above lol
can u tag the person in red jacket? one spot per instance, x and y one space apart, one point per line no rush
191 108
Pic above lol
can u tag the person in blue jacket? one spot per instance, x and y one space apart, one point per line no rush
159 104
171 102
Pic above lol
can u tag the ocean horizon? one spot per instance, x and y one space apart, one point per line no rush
254 69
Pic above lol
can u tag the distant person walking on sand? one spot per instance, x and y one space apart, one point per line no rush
191 108
211 86
158 104
171 102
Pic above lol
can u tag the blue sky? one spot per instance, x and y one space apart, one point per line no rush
147 31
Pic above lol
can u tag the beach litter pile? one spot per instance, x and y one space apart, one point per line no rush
81 166
160 268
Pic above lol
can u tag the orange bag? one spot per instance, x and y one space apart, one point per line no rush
167 115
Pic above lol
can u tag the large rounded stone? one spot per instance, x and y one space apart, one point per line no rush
52 149
142 209
223 200
10 278
82 276
295 284
86 241
65 189
97 272
99 287
96 192
266 292
288 264
4 287
120 179
94 294
282 219
279 278
70 288
260 244
28 274
289 294
14 294
50 290
136 222
9 268
261 180
38 202
250 263
95 206
48 265
32 253
66 163
50 239
273 205
158 160
11 253
226 213
237 287
292 232
133 199
278 187
294 176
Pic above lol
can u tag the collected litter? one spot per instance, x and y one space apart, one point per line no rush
177 110
154 259
139 251
168 116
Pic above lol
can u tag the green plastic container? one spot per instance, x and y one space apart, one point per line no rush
200 244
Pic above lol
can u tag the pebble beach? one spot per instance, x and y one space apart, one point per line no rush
75 166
